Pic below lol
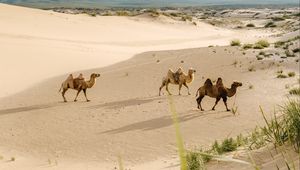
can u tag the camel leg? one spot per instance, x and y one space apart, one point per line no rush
63 94
180 85
199 99
167 88
79 90
84 91
162 85
218 99
225 102
187 88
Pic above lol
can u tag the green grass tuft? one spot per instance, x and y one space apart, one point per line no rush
270 25
295 91
228 145
235 42
291 74
291 122
282 76
279 44
258 46
296 50
250 25
247 46
263 43
194 161
286 128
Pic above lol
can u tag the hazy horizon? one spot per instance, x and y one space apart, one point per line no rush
139 3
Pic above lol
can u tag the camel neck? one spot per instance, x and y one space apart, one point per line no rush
231 92
190 78
91 82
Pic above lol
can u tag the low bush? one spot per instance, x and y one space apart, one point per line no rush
282 76
270 25
263 43
296 50
250 25
291 74
235 43
247 46
279 44
295 91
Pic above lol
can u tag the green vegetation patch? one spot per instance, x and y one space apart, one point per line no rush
295 91
235 42
247 46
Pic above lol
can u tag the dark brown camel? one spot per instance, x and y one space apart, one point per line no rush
217 91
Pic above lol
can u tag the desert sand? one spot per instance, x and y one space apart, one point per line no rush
38 44
125 118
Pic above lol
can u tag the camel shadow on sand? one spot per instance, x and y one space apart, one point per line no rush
26 108
126 103
160 122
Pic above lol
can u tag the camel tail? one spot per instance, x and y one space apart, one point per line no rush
197 92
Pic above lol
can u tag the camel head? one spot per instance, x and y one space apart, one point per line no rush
95 75
236 84
191 71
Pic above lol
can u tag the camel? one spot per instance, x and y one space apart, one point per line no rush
217 91
178 78
78 84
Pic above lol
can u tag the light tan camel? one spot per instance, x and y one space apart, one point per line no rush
78 84
178 78
217 91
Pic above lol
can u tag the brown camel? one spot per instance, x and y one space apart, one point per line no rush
78 84
217 91
178 78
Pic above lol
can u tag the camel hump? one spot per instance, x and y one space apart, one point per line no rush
219 82
70 77
170 71
80 76
179 71
68 83
208 83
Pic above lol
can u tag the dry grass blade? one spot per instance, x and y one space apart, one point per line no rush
121 167
179 139
224 158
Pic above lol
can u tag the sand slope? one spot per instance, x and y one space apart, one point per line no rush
127 117
37 44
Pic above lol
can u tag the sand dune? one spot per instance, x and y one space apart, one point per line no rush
126 118
37 44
